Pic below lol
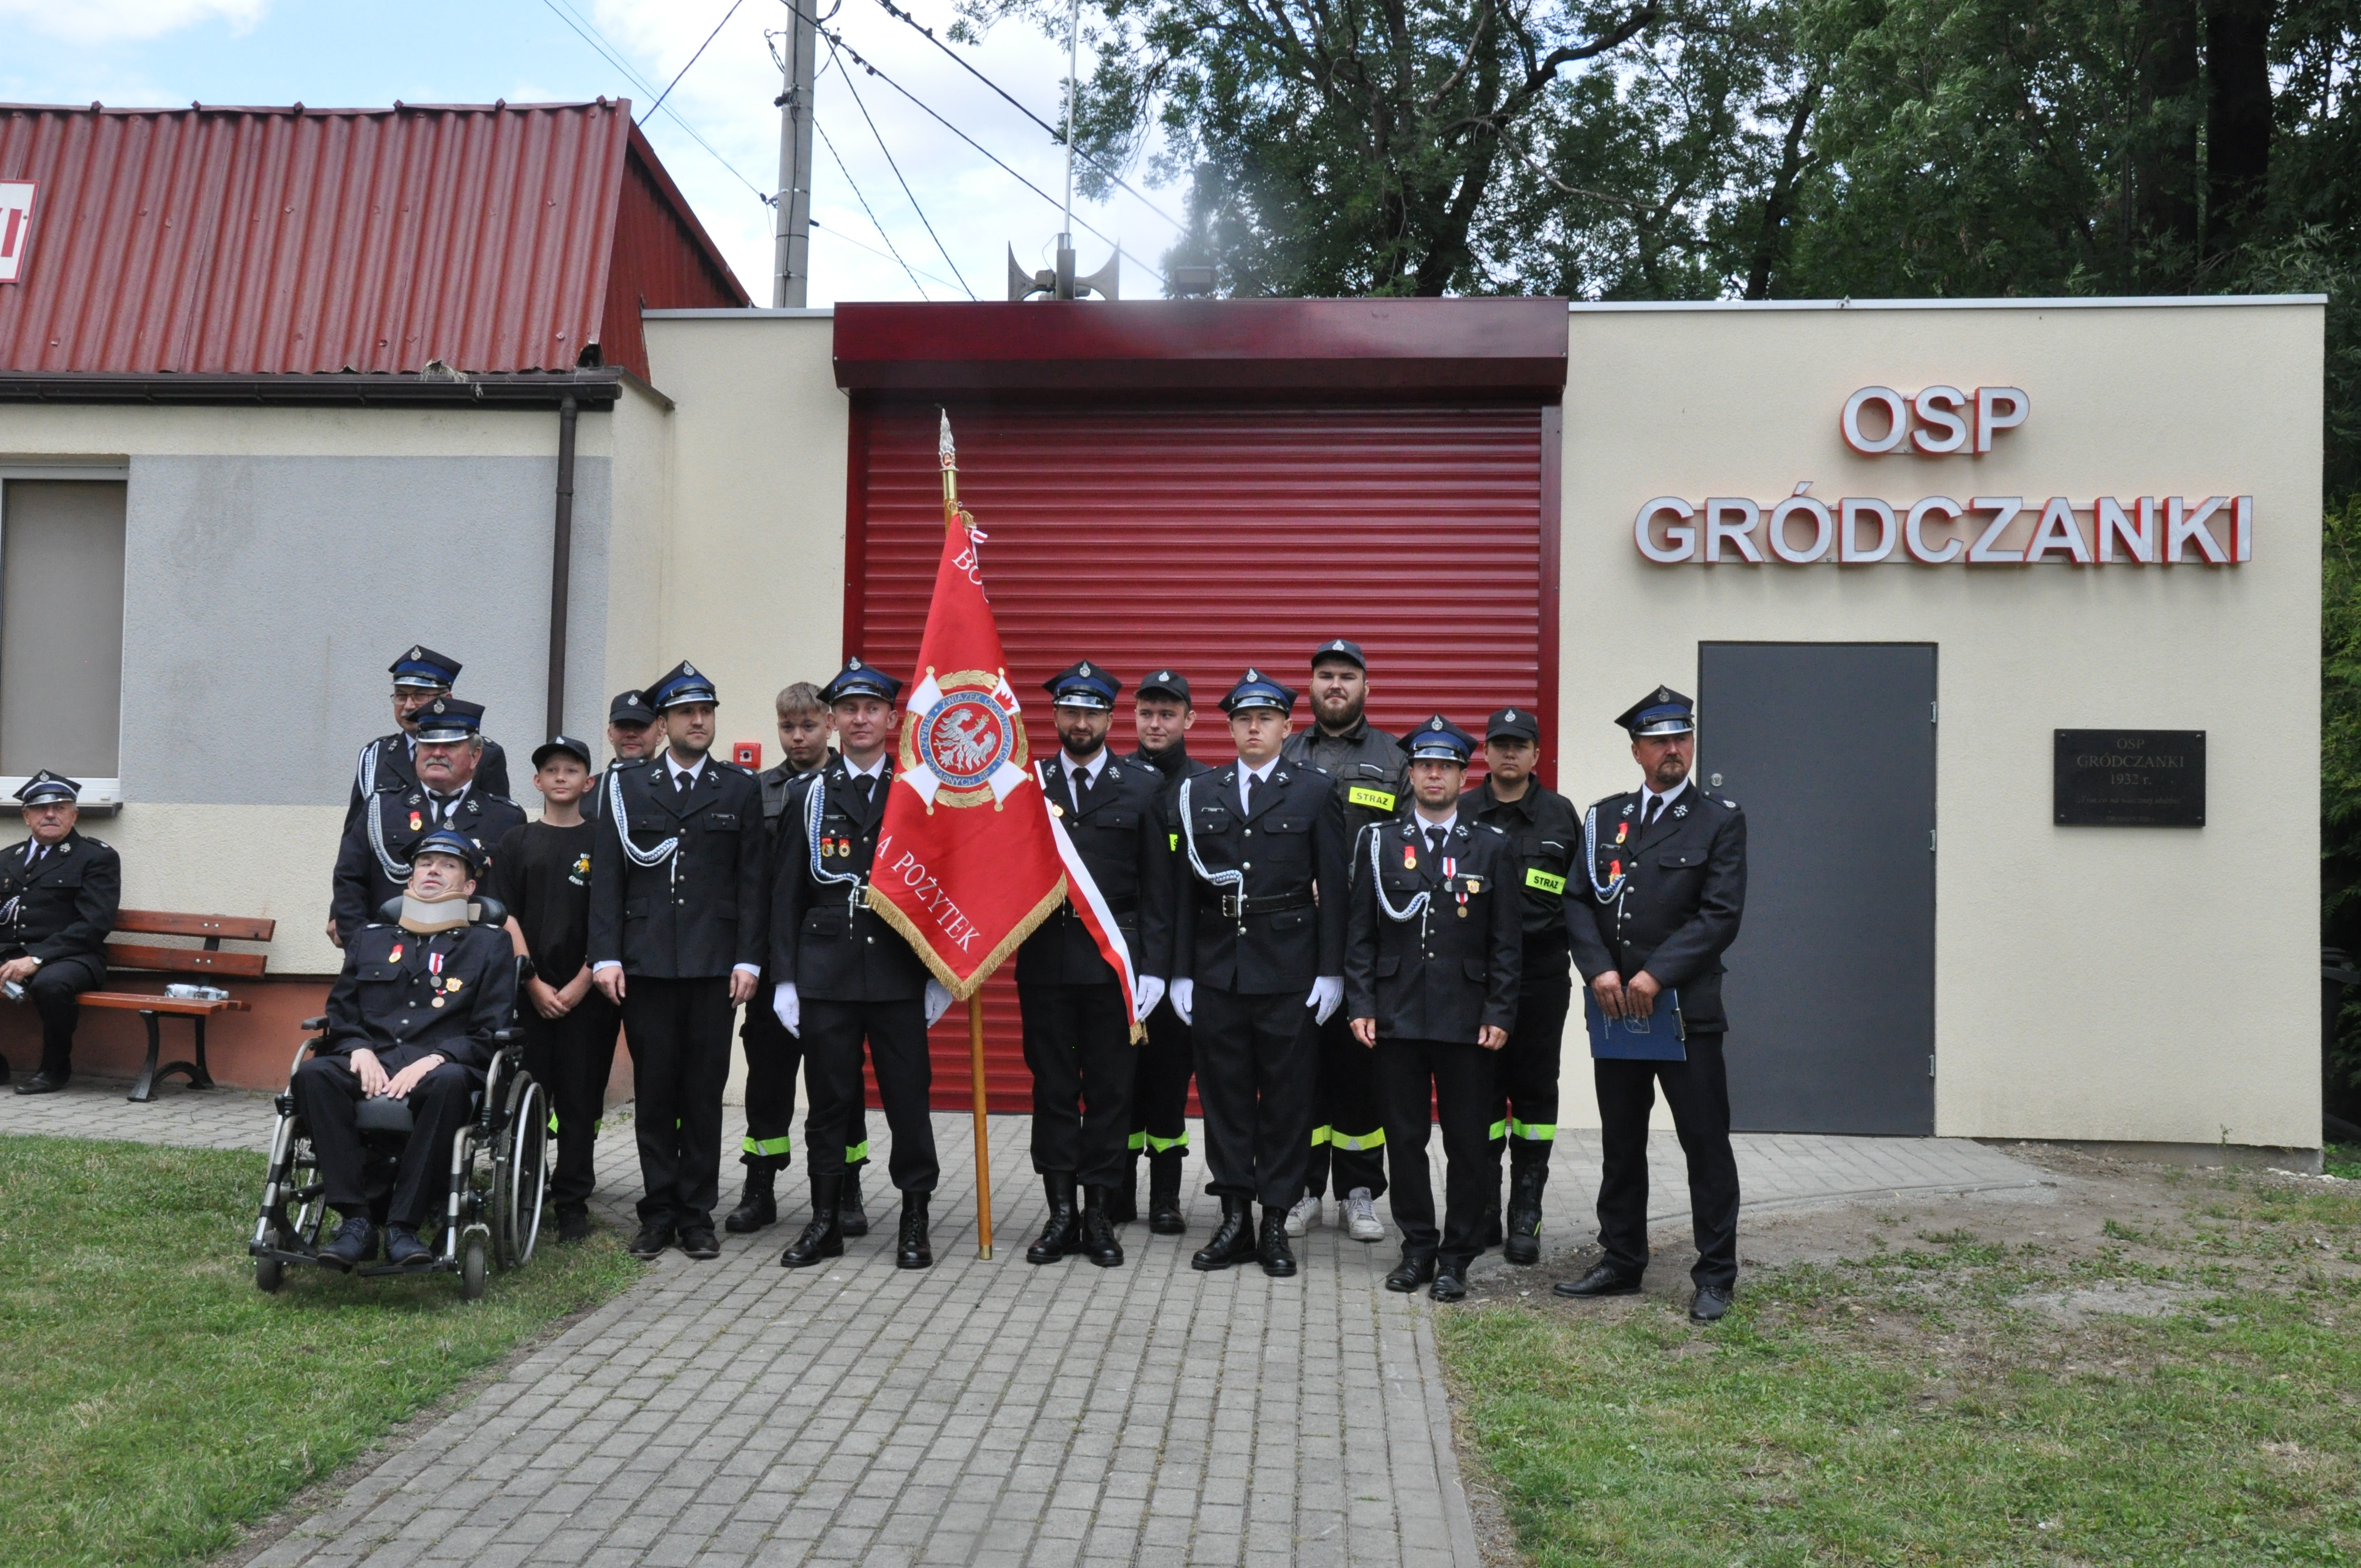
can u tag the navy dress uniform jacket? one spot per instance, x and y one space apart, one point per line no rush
1684 892
1291 848
64 907
702 910
385 764
825 939
363 883
1120 836
1440 975
385 996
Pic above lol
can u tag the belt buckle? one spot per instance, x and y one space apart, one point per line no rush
1234 906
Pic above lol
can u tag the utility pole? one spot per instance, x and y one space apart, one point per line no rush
791 272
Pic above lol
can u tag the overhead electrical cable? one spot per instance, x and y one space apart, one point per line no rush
830 145
896 167
693 59
843 238
590 34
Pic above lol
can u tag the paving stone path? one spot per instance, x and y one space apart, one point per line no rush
978 1412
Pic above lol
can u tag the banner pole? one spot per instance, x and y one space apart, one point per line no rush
983 1139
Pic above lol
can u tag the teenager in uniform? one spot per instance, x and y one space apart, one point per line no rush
1372 784
1430 965
1077 1028
58 897
442 788
1161 714
1665 886
1543 831
678 919
842 976
772 1055
1258 965
419 677
541 871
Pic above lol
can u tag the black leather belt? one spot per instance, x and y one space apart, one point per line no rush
1117 903
1235 907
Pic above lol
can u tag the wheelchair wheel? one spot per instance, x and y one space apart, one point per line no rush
269 1274
472 1267
292 1212
520 1174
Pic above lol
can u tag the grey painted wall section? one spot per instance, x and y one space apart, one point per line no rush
264 597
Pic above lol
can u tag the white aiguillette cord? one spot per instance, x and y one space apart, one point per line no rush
1377 878
814 803
1601 891
1236 879
654 856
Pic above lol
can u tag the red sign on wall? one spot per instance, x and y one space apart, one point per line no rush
16 226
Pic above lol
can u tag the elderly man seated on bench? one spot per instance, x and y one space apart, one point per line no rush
58 897
410 1018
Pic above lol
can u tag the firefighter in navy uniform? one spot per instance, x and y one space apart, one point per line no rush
442 787
842 976
420 676
1372 782
1664 884
1431 960
1162 713
1258 965
1544 831
679 918
59 892
1077 1031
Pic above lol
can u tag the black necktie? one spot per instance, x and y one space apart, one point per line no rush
442 804
1082 792
1245 793
1435 837
869 789
1655 810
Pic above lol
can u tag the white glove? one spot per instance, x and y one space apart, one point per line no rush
938 998
788 1006
1183 994
1146 991
1327 995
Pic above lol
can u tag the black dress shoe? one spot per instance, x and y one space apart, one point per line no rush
1408 1275
404 1247
757 1207
652 1238
1711 1303
912 1251
354 1244
1450 1281
1603 1280
850 1214
1097 1242
700 1243
823 1238
573 1222
1234 1240
1277 1259
1063 1232
41 1083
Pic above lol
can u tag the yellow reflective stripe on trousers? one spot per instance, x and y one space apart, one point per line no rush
1138 1142
1165 1145
1376 1140
853 1153
1500 1131
1321 1135
1533 1132
768 1146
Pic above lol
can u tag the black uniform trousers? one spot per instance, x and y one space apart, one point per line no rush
1256 1057
571 1059
1159 1084
678 1032
55 991
1525 1113
1078 1043
1348 1136
1420 1081
328 1092
1697 1092
896 1032
772 1056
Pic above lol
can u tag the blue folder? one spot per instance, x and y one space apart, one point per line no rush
1656 1037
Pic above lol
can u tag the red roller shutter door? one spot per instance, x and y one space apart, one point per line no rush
1206 538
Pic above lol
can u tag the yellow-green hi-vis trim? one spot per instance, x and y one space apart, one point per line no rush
1548 881
768 1146
1375 800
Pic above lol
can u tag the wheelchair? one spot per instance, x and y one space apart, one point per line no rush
499 1177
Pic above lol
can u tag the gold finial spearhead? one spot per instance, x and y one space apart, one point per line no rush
950 455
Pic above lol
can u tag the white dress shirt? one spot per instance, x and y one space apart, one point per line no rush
1260 776
1079 773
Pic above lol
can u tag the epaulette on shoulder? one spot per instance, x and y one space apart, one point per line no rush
1725 801
739 767
1492 829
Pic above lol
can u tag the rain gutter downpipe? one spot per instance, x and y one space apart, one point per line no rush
561 566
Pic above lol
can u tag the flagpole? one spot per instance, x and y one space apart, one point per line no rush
976 1003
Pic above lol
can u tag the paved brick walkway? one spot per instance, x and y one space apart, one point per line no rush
736 1412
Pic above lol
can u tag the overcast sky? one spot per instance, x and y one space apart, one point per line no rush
335 53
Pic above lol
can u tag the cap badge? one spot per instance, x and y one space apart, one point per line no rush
1082 669
1254 675
852 664
1163 675
1435 723
417 653
686 668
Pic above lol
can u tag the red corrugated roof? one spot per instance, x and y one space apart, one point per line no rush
303 240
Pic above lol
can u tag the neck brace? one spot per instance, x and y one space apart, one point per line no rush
423 918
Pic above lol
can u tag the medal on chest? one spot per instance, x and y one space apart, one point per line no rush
417 822
434 977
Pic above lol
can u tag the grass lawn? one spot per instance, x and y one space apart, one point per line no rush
1946 1398
152 1399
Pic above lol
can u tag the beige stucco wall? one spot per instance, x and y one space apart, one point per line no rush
2090 982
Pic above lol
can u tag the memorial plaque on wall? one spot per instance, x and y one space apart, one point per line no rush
2131 778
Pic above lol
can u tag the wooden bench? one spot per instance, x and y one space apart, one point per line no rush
205 963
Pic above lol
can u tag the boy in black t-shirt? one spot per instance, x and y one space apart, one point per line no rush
542 872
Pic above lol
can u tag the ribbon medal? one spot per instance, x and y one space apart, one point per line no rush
827 848
1622 831
1409 857
394 956
417 822
844 848
435 968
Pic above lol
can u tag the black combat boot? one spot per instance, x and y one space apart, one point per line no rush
1063 1234
1164 1193
1525 1184
1277 1259
823 1238
757 1207
853 1217
913 1252
1234 1240
1098 1242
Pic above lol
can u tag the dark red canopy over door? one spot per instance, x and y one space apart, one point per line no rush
1206 538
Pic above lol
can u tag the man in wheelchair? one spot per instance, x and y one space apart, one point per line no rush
410 1022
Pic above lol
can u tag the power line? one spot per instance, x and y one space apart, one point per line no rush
905 184
848 239
693 59
865 207
606 52
1055 134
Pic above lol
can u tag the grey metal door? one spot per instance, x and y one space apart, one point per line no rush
1829 749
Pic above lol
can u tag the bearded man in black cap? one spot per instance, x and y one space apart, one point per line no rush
58 897
441 790
1664 886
